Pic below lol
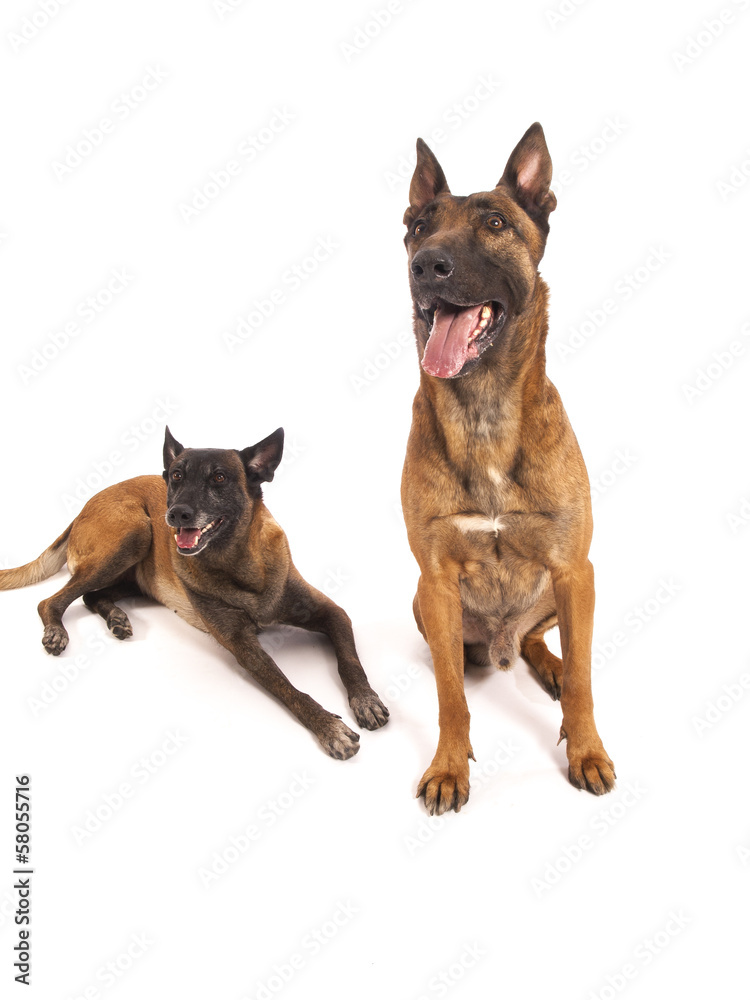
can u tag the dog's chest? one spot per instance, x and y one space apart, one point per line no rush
171 594
497 523
500 547
478 524
484 504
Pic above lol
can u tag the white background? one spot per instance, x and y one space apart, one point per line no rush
497 900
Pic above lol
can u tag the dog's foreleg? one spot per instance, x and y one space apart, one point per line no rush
308 608
445 783
236 632
589 765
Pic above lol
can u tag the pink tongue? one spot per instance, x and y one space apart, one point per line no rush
187 538
448 348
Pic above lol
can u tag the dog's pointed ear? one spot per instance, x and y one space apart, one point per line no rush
262 459
528 174
172 449
427 183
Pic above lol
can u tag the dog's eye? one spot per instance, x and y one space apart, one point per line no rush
176 476
496 221
219 477
419 228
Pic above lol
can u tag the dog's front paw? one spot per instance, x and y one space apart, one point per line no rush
592 771
336 738
55 639
444 786
369 710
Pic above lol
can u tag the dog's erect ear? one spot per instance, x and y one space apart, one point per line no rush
528 174
427 183
261 459
172 448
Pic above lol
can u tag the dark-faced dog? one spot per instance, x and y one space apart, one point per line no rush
200 540
494 491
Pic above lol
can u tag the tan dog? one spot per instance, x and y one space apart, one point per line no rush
494 491
200 540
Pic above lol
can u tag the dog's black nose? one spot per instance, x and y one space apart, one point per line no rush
180 514
430 263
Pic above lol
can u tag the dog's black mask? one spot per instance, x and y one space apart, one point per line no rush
473 260
209 491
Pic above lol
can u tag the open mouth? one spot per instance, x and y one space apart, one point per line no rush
459 334
192 540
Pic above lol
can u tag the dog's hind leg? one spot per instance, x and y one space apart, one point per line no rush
308 608
98 560
548 666
102 602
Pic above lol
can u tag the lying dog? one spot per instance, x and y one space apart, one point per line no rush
205 546
494 491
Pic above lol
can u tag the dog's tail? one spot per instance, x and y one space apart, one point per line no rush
49 562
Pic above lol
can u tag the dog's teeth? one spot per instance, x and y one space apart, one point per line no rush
486 312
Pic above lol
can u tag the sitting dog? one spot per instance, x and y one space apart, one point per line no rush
200 540
494 490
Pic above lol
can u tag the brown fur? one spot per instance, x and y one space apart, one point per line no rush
121 544
495 492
